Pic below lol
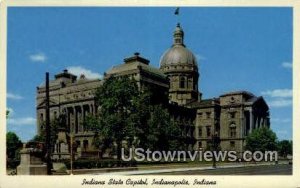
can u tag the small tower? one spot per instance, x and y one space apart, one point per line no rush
180 65
178 35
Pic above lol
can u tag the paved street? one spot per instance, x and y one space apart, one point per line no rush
283 169
224 169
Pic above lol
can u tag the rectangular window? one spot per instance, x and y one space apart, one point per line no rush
232 114
232 144
41 117
208 114
208 131
232 132
200 132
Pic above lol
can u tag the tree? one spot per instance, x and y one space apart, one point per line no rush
117 98
13 145
161 131
262 139
54 124
38 138
129 114
285 147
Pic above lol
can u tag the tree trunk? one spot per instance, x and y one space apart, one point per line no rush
119 146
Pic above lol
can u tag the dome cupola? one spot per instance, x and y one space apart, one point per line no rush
178 35
180 66
178 53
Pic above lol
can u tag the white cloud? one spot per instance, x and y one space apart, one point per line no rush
282 134
287 65
78 70
284 93
280 102
279 97
38 57
280 120
13 96
22 121
200 57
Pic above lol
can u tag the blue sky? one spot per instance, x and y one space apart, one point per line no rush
237 49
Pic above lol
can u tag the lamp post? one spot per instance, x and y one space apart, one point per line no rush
72 154
215 144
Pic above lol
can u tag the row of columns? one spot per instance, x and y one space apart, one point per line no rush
76 114
257 121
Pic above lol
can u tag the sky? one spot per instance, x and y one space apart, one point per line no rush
236 49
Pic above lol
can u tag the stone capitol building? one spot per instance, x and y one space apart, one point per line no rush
230 116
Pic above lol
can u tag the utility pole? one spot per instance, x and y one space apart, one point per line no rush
48 129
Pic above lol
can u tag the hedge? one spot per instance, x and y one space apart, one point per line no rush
83 164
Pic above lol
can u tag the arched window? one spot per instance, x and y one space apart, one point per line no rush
182 82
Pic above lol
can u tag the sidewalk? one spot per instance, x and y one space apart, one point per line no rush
139 170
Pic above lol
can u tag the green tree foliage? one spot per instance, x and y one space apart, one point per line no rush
13 145
54 125
38 138
262 139
117 98
161 131
127 113
285 147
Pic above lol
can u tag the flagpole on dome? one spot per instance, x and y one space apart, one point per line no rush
177 15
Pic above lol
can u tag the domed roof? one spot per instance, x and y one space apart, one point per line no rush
178 53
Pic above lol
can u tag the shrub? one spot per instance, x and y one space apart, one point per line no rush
88 164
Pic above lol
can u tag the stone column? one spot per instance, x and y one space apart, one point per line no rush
242 127
256 120
92 109
260 122
251 120
71 112
76 120
81 118
68 124
242 124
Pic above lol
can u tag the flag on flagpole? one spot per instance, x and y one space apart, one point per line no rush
176 11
